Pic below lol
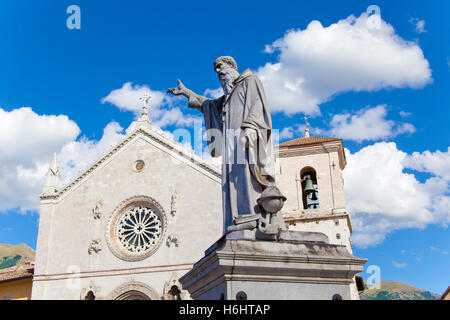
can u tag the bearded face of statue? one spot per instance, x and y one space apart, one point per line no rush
227 74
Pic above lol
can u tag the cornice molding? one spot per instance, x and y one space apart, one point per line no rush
312 148
292 218
115 272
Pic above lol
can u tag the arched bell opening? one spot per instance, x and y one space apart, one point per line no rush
310 190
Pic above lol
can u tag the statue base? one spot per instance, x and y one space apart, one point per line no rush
296 266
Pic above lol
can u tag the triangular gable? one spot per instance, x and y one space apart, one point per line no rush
156 139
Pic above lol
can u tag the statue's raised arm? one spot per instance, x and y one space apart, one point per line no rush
180 90
195 100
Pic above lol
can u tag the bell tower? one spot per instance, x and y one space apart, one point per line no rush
310 175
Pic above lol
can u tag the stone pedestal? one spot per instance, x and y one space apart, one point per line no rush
299 265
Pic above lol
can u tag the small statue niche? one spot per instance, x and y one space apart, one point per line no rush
173 204
90 295
97 211
174 293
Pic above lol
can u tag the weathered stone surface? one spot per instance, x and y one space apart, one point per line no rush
273 270
302 236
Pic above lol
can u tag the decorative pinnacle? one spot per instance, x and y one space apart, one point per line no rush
52 179
53 169
307 125
145 98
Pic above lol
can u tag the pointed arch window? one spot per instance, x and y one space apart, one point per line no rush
310 190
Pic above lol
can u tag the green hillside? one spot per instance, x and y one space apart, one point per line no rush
11 255
397 291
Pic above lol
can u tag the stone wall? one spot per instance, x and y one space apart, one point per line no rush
68 226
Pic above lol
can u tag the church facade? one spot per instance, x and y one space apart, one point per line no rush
139 218
130 225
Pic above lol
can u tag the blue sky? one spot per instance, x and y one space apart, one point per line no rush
385 91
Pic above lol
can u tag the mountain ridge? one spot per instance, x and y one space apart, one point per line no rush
395 290
12 255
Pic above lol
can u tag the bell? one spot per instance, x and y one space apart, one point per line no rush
309 188
314 196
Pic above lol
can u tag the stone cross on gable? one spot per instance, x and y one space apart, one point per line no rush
145 98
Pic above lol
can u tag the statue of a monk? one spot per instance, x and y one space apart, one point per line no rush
239 128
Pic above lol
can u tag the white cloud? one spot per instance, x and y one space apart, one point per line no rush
403 128
287 133
382 197
418 24
399 265
367 124
404 114
213 93
437 163
162 111
75 156
319 62
27 141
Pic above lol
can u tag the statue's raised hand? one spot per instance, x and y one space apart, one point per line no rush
180 90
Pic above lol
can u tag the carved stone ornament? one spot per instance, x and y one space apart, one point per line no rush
136 228
173 204
173 240
97 211
95 246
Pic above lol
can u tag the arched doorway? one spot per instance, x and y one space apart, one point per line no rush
134 291
133 295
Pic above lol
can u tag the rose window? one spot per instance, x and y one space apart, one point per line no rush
139 229
136 228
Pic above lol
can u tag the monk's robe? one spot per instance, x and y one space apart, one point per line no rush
247 169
